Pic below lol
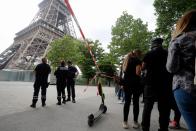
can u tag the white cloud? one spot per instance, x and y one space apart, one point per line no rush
95 16
15 15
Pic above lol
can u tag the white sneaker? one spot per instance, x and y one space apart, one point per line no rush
136 125
120 102
125 125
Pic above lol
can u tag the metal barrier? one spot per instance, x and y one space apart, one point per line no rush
17 75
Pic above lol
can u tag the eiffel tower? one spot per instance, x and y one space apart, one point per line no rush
52 21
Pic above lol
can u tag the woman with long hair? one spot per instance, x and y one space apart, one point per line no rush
131 68
181 62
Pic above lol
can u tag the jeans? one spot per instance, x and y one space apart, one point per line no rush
187 106
121 94
174 107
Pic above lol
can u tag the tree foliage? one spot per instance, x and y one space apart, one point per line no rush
77 51
86 62
129 34
107 64
66 48
168 12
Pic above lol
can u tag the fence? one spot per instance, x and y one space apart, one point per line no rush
17 75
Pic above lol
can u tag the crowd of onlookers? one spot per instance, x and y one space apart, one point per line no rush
165 76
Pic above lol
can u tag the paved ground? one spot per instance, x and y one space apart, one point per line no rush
16 115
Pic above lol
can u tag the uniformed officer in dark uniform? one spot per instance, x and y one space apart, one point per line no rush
72 73
158 85
61 81
41 80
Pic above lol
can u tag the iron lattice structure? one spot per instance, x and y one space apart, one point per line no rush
52 21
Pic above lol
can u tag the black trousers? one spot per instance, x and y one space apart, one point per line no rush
150 97
37 87
61 91
128 96
71 88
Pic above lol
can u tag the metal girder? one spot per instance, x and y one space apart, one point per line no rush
51 22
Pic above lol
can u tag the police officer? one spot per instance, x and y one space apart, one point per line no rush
61 80
72 73
158 85
41 80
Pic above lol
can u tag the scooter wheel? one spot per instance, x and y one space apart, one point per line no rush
101 107
104 109
90 120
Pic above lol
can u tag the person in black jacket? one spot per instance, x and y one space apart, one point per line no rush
41 80
61 81
131 85
72 73
157 85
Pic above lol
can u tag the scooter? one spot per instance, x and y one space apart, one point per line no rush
102 108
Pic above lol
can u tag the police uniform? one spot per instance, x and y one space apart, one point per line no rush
71 82
41 80
61 81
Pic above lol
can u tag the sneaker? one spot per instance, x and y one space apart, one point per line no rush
174 125
136 125
125 125
120 102
163 130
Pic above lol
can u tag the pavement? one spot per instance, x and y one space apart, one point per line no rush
16 115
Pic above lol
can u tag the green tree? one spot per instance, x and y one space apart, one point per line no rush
66 48
168 12
86 62
97 50
128 34
107 66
